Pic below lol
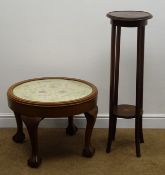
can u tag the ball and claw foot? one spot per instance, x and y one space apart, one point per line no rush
88 151
19 137
34 162
108 150
71 130
138 154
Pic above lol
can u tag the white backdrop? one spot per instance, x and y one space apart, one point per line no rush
72 38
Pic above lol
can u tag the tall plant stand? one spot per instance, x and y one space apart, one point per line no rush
121 19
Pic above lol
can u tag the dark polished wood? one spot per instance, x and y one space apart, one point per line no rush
32 127
72 128
125 111
32 112
126 19
116 84
132 16
91 115
129 18
19 137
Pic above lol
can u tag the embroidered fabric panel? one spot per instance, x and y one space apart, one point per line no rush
52 90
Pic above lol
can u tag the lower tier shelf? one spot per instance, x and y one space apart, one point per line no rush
125 111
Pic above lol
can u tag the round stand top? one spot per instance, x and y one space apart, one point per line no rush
52 90
129 15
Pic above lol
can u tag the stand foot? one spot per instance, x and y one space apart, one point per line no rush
71 129
137 137
34 161
19 137
88 151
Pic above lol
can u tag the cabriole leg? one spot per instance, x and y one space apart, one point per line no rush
88 150
19 137
32 127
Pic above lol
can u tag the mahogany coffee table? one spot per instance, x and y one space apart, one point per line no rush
35 99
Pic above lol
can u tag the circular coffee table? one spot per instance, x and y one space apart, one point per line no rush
35 99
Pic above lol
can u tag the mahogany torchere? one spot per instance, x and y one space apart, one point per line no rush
36 99
120 19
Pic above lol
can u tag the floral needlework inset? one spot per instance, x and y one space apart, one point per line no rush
52 90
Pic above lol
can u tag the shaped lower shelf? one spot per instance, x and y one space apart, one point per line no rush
125 111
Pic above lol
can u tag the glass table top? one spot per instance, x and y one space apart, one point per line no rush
52 90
